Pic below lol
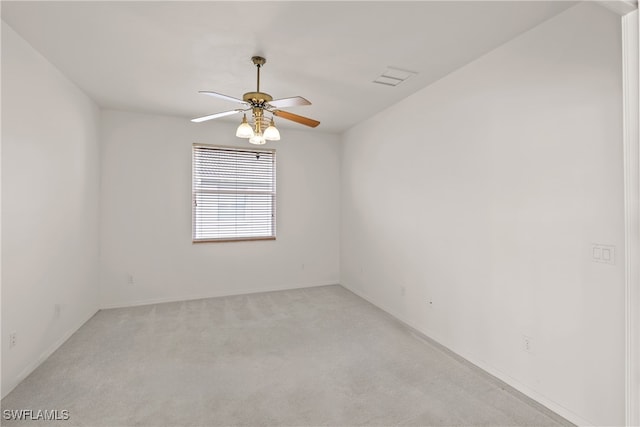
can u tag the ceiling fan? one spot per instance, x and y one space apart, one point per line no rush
261 129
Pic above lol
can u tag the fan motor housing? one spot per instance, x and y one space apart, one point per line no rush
256 97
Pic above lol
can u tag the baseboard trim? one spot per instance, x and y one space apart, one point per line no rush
538 398
192 297
45 354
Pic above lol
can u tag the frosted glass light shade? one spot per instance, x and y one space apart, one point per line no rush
271 133
244 130
257 139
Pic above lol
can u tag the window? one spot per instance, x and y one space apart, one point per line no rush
234 194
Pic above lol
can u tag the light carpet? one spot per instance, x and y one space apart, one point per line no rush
307 357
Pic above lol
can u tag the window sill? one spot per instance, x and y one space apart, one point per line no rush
240 239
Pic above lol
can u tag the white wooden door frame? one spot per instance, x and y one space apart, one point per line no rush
628 11
630 78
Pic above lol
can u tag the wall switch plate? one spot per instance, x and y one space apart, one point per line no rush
13 337
605 254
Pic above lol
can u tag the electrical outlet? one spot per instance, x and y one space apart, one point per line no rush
526 344
57 309
403 290
130 279
13 337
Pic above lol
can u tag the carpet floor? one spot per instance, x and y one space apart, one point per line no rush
307 357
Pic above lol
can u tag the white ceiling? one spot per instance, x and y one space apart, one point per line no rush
155 56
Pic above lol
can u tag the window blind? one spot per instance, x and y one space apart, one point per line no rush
234 193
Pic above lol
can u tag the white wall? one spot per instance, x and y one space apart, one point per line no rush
49 207
146 214
476 226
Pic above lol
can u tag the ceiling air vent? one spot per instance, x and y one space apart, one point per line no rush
393 76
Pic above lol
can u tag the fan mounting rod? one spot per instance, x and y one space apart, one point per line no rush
258 61
257 97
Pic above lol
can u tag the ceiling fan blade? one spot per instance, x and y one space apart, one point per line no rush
215 116
221 96
295 101
296 118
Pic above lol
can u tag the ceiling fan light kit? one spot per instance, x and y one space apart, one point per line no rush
244 130
271 133
259 102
